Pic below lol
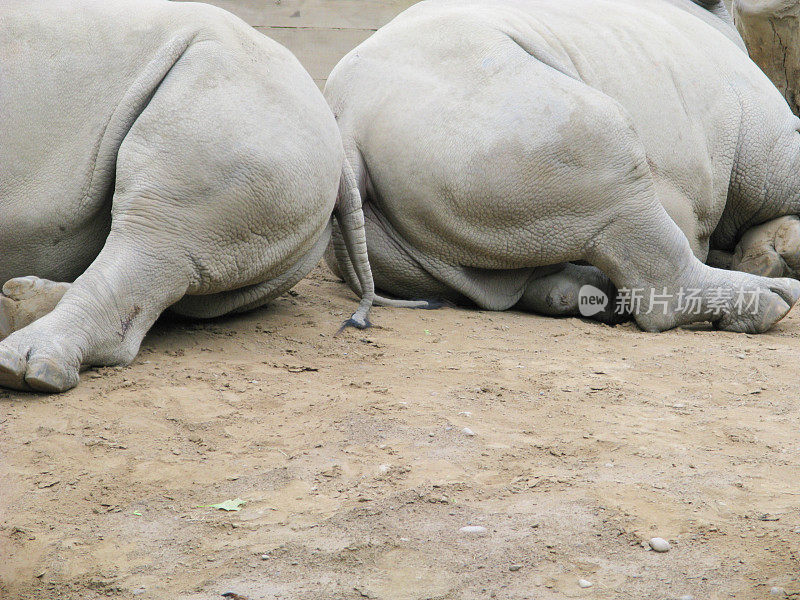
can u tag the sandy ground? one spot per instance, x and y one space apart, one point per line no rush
351 455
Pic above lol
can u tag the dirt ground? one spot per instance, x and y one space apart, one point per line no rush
351 453
352 457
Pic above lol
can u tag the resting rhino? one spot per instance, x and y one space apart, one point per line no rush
495 142
158 154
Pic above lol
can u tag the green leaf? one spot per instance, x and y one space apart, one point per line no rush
137 513
229 505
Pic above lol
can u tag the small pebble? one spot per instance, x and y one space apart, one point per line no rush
265 557
585 584
686 597
474 530
776 591
797 530
467 431
659 544
514 567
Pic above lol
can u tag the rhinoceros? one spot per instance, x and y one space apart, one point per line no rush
152 155
513 153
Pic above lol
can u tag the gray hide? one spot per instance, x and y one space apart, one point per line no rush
494 141
160 155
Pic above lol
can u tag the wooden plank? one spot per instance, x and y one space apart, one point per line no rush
318 32
316 14
318 50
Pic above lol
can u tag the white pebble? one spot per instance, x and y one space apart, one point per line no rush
265 557
474 530
384 468
686 597
585 584
467 431
659 544
465 413
776 591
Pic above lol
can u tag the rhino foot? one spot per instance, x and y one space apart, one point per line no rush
732 301
558 294
25 299
37 365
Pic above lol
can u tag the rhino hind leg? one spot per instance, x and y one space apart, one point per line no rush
191 212
101 319
650 261
25 299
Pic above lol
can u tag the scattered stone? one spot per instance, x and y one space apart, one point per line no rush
514 567
265 557
467 431
474 530
659 544
776 591
585 584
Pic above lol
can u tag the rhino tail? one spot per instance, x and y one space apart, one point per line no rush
351 255
350 248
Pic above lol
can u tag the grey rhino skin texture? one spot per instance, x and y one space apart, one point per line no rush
496 141
160 155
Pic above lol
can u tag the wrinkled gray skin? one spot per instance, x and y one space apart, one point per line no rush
158 154
494 141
